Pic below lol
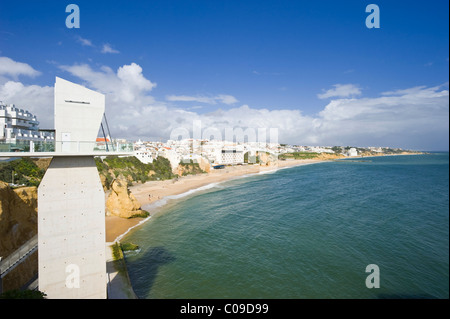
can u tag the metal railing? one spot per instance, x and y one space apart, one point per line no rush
14 259
65 146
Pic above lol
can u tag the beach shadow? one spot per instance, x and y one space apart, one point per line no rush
145 269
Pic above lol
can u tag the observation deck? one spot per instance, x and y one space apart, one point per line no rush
64 148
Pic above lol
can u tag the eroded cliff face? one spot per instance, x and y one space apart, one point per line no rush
329 156
18 217
205 165
18 223
183 170
121 202
267 159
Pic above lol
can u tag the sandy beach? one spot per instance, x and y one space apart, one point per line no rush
150 192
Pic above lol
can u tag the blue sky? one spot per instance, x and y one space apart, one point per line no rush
311 69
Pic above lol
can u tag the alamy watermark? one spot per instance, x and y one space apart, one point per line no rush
373 279
73 277
373 19
73 19
257 137
236 134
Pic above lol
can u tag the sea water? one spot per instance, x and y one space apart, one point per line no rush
303 232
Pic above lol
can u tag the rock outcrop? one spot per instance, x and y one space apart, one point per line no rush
18 223
266 159
189 169
121 202
204 165
329 156
18 217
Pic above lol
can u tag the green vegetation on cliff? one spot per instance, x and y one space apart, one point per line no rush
29 172
190 168
133 170
299 155
23 294
24 171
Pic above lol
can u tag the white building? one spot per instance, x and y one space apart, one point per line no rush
143 153
20 125
171 155
144 156
376 149
230 157
352 152
195 158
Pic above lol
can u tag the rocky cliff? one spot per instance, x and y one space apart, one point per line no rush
188 169
132 170
266 159
122 203
329 156
204 165
18 223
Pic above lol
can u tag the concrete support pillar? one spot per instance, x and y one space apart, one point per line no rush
71 230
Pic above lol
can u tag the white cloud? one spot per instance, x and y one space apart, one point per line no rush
105 48
84 42
195 107
267 73
34 98
414 117
226 99
221 98
417 91
186 98
341 90
402 117
127 85
108 49
9 67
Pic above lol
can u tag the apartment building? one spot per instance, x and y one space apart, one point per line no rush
20 125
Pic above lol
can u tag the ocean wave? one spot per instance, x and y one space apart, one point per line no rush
191 191
132 252
129 229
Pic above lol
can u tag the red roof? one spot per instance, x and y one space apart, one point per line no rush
102 139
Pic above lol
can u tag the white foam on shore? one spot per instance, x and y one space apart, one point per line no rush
118 238
163 201
191 191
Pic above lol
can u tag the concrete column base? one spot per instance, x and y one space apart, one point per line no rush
71 230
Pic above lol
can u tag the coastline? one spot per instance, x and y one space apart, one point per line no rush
159 191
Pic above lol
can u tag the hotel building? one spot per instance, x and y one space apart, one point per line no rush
231 157
20 125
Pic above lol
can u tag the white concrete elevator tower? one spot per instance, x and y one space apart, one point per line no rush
71 200
78 114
